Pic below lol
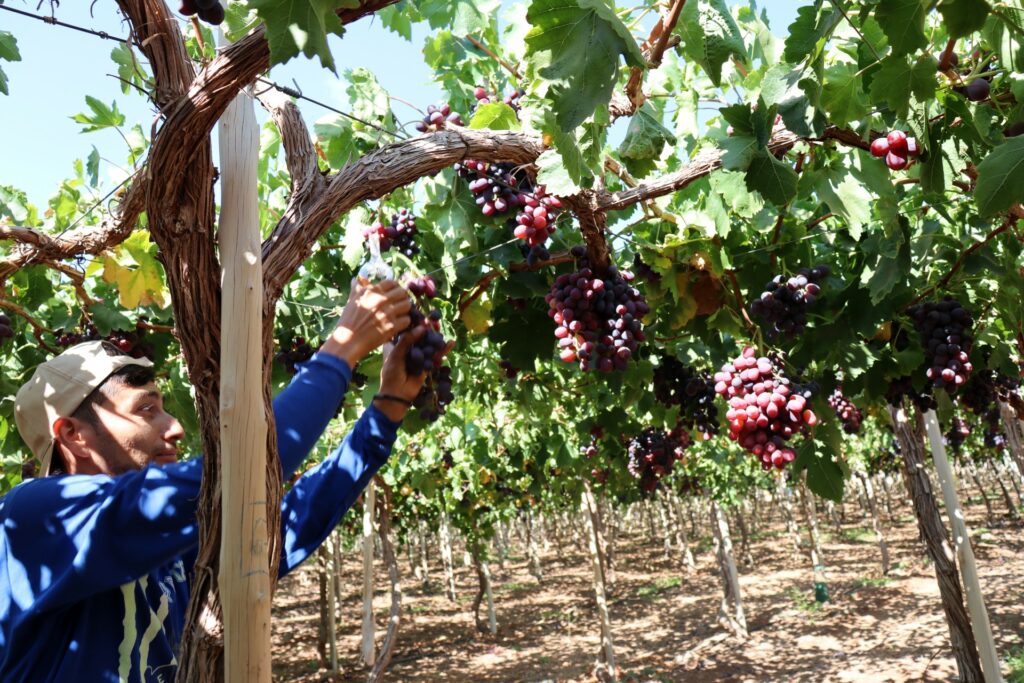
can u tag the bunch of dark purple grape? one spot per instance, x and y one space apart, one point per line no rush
783 304
944 326
765 408
510 371
6 327
294 352
847 413
400 234
676 384
129 342
437 117
427 354
903 387
644 271
958 432
498 187
597 317
981 395
653 453
210 11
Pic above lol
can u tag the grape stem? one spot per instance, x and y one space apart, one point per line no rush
1010 221
483 48
659 37
37 328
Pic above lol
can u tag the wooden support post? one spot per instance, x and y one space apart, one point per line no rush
606 669
968 569
368 651
245 586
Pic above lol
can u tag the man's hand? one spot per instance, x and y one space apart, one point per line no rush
373 315
395 381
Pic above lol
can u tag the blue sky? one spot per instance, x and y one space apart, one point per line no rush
40 141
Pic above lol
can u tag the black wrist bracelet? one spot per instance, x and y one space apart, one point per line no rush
397 399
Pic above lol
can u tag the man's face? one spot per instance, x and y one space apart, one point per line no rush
132 430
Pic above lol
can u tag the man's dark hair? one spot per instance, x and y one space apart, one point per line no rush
128 376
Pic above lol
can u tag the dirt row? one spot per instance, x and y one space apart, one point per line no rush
874 629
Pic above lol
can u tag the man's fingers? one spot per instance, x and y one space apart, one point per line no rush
401 323
402 305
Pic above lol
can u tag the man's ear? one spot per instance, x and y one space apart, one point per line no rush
68 433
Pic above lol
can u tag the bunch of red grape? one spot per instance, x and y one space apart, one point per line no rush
653 453
6 327
765 409
437 117
400 234
536 221
129 342
483 97
294 352
847 413
427 354
496 186
784 302
693 390
598 317
943 326
210 11
897 149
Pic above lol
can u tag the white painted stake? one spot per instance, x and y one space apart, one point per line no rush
244 577
968 569
369 650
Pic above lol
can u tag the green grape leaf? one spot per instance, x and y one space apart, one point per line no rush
1001 178
646 137
806 34
8 51
774 179
781 88
710 36
731 186
337 140
738 151
129 69
898 79
576 45
903 23
553 174
495 116
301 26
846 196
963 17
477 316
101 117
842 95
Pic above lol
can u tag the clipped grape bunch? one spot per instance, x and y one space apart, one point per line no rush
210 11
784 301
598 318
846 411
676 384
590 450
6 327
294 352
427 354
652 454
400 234
438 116
944 328
765 408
897 148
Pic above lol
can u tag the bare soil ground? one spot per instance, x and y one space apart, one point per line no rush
875 629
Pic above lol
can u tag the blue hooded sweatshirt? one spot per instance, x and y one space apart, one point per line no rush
95 570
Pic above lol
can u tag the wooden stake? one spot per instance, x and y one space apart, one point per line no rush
968 569
369 652
245 586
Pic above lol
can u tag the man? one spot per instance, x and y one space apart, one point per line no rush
96 558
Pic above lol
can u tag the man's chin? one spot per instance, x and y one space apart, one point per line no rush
165 459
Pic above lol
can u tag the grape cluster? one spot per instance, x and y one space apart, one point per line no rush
644 271
210 11
400 234
693 390
981 395
590 450
847 413
943 326
437 117
497 186
536 221
6 326
510 371
897 148
598 318
483 97
653 453
903 387
129 342
958 432
298 350
427 354
784 302
765 408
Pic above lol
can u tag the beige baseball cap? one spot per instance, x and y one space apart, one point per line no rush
59 386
